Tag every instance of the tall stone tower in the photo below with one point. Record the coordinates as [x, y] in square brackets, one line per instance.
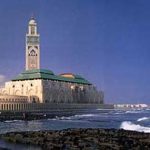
[32, 46]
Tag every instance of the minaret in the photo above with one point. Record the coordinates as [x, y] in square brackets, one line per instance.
[32, 46]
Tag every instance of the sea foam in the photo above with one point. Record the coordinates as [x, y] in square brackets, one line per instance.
[12, 121]
[86, 115]
[128, 125]
[143, 119]
[74, 117]
[133, 111]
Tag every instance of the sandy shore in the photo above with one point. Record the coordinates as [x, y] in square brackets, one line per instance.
[82, 139]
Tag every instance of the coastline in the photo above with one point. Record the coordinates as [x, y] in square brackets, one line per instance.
[81, 138]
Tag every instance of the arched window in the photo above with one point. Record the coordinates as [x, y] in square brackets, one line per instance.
[32, 53]
[32, 30]
[33, 59]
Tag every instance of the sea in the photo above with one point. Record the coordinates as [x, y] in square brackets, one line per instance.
[135, 120]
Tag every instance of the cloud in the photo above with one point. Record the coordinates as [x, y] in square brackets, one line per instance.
[2, 78]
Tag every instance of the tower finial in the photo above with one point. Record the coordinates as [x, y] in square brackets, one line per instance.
[32, 16]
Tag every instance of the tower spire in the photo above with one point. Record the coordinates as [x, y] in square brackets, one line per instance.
[32, 46]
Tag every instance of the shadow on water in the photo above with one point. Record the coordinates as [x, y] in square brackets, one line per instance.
[14, 146]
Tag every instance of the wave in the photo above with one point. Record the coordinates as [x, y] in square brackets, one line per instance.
[118, 113]
[74, 117]
[86, 115]
[128, 125]
[143, 119]
[77, 116]
[104, 109]
[133, 111]
[11, 121]
[64, 118]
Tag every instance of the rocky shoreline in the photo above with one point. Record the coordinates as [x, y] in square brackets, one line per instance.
[82, 139]
[27, 116]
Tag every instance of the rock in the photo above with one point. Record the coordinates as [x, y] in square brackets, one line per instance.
[3, 148]
[18, 137]
[86, 139]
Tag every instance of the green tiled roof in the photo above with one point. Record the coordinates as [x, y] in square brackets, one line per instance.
[48, 75]
[78, 77]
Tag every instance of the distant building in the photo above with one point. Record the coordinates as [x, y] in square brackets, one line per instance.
[36, 85]
[130, 106]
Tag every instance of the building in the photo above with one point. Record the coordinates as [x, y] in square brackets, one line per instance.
[32, 46]
[41, 86]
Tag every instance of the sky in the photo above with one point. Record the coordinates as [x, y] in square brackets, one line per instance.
[105, 41]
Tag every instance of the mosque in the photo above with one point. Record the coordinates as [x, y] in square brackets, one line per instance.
[37, 88]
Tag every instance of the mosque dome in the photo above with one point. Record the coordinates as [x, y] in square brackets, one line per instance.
[74, 78]
[67, 75]
[71, 75]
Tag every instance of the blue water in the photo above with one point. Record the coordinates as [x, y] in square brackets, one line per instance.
[138, 120]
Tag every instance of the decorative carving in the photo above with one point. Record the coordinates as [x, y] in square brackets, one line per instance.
[33, 40]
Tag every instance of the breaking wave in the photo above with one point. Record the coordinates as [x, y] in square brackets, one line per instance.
[128, 125]
[86, 115]
[78, 116]
[74, 117]
[133, 111]
[143, 119]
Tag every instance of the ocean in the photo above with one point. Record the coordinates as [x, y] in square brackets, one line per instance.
[136, 120]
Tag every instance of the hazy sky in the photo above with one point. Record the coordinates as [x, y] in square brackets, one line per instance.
[105, 41]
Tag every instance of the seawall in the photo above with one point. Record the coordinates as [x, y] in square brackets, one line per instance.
[27, 107]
